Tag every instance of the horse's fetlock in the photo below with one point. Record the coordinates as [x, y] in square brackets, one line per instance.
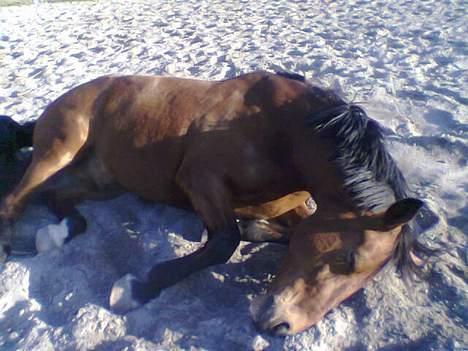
[224, 247]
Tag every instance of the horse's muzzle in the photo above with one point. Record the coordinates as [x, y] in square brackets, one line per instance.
[264, 314]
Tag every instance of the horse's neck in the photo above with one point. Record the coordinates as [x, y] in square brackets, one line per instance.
[326, 183]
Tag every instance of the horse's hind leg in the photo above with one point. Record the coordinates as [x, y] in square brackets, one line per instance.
[56, 144]
[13, 204]
[87, 179]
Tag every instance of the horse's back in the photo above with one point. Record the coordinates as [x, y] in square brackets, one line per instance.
[166, 105]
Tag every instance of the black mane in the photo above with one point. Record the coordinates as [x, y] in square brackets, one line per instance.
[371, 176]
[293, 76]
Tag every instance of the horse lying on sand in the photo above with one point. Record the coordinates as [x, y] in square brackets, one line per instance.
[238, 147]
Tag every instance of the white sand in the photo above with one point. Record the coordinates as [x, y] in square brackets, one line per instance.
[407, 60]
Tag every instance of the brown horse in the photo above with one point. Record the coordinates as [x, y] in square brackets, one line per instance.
[224, 146]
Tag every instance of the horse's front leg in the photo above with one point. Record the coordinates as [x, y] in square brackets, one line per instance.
[263, 230]
[273, 221]
[210, 198]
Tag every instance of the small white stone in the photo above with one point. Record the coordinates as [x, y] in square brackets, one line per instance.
[218, 276]
[259, 343]
[13, 336]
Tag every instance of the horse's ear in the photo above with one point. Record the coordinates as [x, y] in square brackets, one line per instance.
[402, 212]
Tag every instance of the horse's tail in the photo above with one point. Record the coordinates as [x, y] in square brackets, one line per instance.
[24, 135]
[14, 136]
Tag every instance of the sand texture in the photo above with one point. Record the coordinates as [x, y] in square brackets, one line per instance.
[407, 60]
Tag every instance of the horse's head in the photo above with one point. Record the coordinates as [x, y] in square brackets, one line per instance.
[330, 257]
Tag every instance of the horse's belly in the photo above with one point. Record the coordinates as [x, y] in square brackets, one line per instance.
[148, 172]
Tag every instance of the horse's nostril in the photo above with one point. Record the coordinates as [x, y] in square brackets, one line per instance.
[281, 329]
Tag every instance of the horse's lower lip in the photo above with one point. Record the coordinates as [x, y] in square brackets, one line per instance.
[267, 322]
[266, 325]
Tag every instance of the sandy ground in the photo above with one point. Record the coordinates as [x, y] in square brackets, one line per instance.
[31, 2]
[407, 60]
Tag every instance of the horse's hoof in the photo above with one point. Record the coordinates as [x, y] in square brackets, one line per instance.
[122, 298]
[51, 236]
